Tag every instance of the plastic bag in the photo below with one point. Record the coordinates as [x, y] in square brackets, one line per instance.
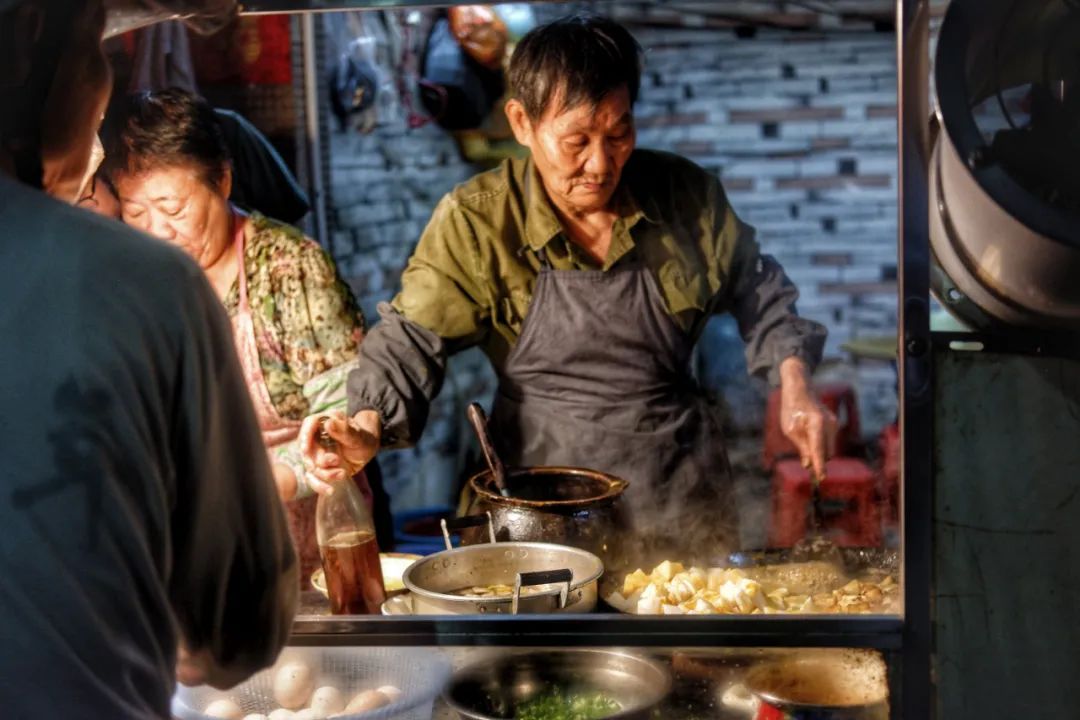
[361, 89]
[202, 16]
[519, 19]
[481, 33]
[354, 84]
[458, 91]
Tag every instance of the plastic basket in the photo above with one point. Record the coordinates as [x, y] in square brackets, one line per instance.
[420, 674]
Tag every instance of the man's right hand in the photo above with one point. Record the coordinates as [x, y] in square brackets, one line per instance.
[357, 440]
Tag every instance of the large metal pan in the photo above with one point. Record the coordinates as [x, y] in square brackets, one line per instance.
[803, 573]
[493, 689]
[567, 577]
[852, 560]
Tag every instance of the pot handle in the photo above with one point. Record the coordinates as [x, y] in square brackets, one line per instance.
[455, 525]
[738, 697]
[543, 577]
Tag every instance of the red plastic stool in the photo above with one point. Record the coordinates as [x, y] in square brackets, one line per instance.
[838, 397]
[889, 443]
[849, 507]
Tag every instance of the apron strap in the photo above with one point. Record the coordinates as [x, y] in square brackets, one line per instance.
[541, 254]
[238, 247]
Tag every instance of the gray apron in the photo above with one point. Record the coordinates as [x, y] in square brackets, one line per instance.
[600, 378]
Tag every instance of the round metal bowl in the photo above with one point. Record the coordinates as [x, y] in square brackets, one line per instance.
[434, 580]
[493, 689]
[813, 683]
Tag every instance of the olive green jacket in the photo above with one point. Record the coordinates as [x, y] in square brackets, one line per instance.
[471, 278]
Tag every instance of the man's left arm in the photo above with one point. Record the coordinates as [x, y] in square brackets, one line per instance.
[779, 343]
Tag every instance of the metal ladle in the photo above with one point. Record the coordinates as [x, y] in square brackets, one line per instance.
[814, 545]
[498, 471]
[815, 503]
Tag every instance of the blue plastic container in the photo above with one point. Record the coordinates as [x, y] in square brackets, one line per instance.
[418, 531]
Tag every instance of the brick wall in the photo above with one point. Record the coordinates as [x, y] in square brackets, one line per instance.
[801, 128]
[802, 131]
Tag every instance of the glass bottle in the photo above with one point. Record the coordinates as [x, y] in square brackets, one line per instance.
[350, 554]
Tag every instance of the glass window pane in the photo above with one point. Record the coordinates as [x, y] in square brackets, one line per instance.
[540, 683]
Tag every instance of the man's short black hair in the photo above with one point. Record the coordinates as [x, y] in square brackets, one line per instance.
[166, 128]
[587, 56]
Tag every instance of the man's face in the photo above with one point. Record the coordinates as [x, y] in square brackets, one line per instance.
[75, 106]
[580, 152]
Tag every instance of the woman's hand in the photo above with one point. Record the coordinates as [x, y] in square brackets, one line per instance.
[355, 443]
[806, 422]
[286, 481]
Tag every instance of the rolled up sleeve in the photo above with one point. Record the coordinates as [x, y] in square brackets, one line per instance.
[401, 370]
[762, 299]
[441, 310]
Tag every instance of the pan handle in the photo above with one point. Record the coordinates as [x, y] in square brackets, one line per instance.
[543, 577]
[455, 525]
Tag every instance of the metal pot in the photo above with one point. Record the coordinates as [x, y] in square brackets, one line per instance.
[814, 685]
[569, 575]
[493, 689]
[568, 506]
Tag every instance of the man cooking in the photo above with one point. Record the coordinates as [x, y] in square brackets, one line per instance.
[130, 555]
[587, 273]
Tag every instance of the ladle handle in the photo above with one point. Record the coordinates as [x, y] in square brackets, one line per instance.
[815, 505]
[479, 422]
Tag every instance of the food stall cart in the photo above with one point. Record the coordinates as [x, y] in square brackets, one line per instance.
[694, 661]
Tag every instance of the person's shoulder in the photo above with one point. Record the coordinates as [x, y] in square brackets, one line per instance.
[280, 239]
[98, 244]
[672, 184]
[101, 266]
[659, 166]
[486, 191]
[286, 247]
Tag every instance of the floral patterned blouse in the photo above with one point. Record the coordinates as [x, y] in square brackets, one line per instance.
[307, 324]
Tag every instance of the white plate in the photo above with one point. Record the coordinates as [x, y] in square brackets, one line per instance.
[393, 567]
